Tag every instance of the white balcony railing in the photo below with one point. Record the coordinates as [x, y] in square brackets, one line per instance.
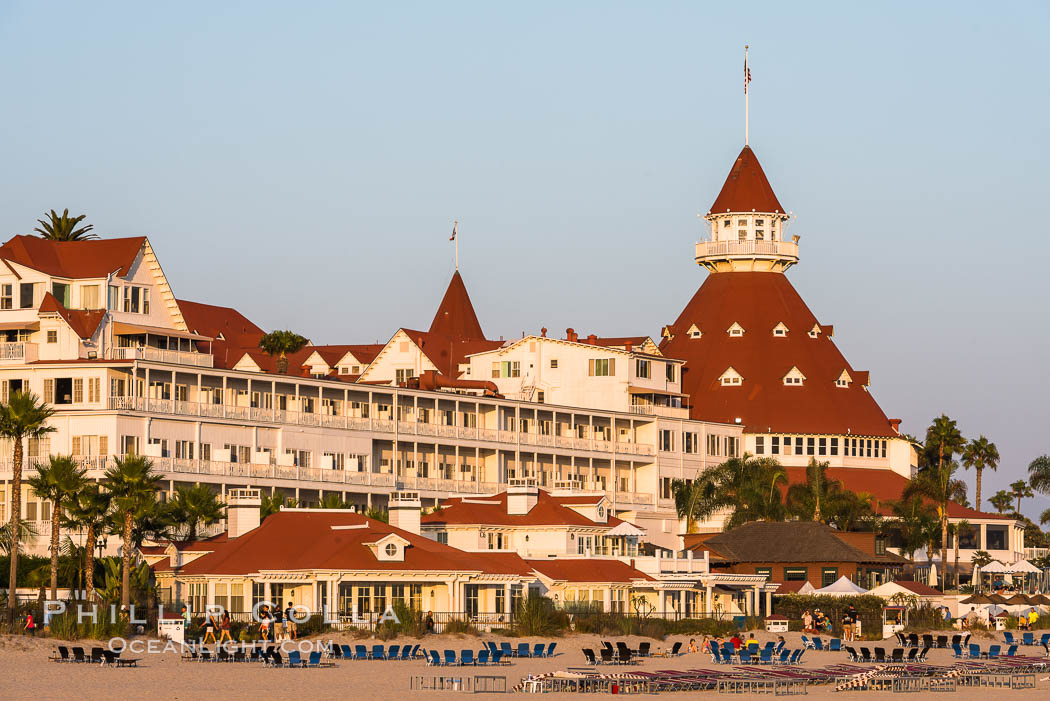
[203, 360]
[12, 351]
[709, 249]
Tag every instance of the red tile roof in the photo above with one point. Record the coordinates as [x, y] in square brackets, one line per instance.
[237, 331]
[84, 322]
[792, 587]
[746, 188]
[305, 540]
[455, 315]
[587, 570]
[332, 354]
[447, 352]
[548, 511]
[758, 301]
[74, 259]
[885, 486]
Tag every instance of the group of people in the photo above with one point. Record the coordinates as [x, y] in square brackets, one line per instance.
[274, 626]
[817, 621]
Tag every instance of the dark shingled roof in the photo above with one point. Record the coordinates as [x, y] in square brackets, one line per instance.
[790, 541]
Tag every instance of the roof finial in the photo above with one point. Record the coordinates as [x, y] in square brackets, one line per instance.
[455, 237]
[747, 79]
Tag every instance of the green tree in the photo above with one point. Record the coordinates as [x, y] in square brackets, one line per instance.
[1001, 500]
[57, 482]
[981, 558]
[26, 532]
[1044, 518]
[333, 501]
[1039, 474]
[64, 227]
[88, 510]
[939, 485]
[24, 416]
[193, 508]
[850, 511]
[279, 344]
[746, 488]
[957, 530]
[943, 440]
[133, 485]
[812, 500]
[1021, 490]
[980, 453]
[915, 519]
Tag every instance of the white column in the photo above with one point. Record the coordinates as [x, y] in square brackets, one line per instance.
[662, 603]
[709, 593]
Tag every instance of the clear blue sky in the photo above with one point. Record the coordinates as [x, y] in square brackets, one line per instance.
[304, 163]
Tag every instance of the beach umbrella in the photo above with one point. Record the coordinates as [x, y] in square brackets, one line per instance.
[995, 567]
[1040, 600]
[996, 599]
[976, 600]
[1024, 567]
[1017, 600]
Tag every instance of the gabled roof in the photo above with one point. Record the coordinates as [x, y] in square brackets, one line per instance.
[84, 322]
[447, 352]
[233, 332]
[296, 540]
[455, 315]
[788, 541]
[74, 259]
[548, 511]
[746, 188]
[587, 570]
[761, 300]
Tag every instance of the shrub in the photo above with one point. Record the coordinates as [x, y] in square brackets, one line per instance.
[460, 627]
[66, 627]
[536, 615]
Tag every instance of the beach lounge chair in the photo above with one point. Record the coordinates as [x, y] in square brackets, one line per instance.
[393, 651]
[913, 654]
[1027, 639]
[796, 656]
[506, 649]
[588, 654]
[676, 649]
[294, 659]
[378, 652]
[315, 660]
[643, 649]
[1045, 640]
[360, 652]
[716, 654]
[1011, 651]
[63, 655]
[622, 649]
[993, 651]
[450, 657]
[785, 655]
[551, 646]
[880, 654]
[898, 654]
[818, 643]
[744, 655]
[466, 657]
[975, 651]
[406, 653]
[608, 656]
[765, 656]
[942, 641]
[851, 653]
[1009, 637]
[957, 651]
[835, 644]
[626, 656]
[913, 639]
[901, 640]
[348, 652]
[492, 646]
[806, 642]
[483, 656]
[537, 649]
[275, 658]
[499, 658]
[956, 640]
[222, 654]
[523, 650]
[96, 655]
[865, 655]
[434, 659]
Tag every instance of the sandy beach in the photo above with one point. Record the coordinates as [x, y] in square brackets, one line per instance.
[29, 675]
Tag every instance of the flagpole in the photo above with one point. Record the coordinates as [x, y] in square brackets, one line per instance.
[746, 97]
[455, 226]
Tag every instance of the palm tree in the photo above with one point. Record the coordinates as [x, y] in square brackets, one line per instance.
[24, 416]
[811, 500]
[914, 519]
[88, 510]
[1001, 500]
[749, 488]
[696, 500]
[1044, 518]
[851, 509]
[939, 485]
[1021, 490]
[963, 526]
[280, 344]
[133, 485]
[333, 501]
[943, 439]
[194, 508]
[57, 482]
[64, 228]
[26, 532]
[980, 453]
[1039, 474]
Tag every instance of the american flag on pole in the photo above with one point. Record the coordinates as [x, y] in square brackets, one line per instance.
[455, 228]
[747, 73]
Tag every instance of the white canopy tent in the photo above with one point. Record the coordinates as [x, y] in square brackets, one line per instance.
[842, 587]
[994, 567]
[1023, 567]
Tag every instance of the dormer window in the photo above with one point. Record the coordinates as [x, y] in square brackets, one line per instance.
[694, 332]
[760, 222]
[725, 223]
[780, 330]
[843, 380]
[794, 378]
[735, 330]
[741, 222]
[731, 378]
[390, 550]
[815, 331]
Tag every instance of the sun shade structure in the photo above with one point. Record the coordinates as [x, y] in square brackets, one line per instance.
[842, 587]
[1023, 567]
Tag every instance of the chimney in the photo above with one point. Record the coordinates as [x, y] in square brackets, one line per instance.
[543, 332]
[627, 346]
[570, 335]
[242, 511]
[895, 424]
[522, 495]
[404, 509]
[592, 339]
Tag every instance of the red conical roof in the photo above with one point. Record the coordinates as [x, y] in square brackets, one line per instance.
[758, 302]
[746, 188]
[455, 316]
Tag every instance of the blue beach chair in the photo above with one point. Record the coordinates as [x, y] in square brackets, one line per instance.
[1009, 637]
[483, 656]
[523, 650]
[406, 652]
[393, 652]
[765, 656]
[745, 656]
[348, 652]
[466, 657]
[835, 645]
[434, 658]
[537, 649]
[450, 657]
[378, 652]
[360, 652]
[818, 644]
[1027, 639]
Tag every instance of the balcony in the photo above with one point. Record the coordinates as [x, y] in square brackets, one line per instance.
[201, 360]
[18, 352]
[674, 412]
[747, 255]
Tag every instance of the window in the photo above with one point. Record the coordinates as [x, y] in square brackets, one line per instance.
[672, 372]
[828, 576]
[442, 537]
[736, 330]
[732, 446]
[774, 445]
[795, 574]
[89, 298]
[184, 450]
[390, 549]
[841, 382]
[52, 336]
[145, 300]
[643, 369]
[113, 298]
[540, 397]
[726, 223]
[94, 389]
[712, 445]
[78, 390]
[601, 367]
[793, 381]
[822, 446]
[402, 375]
[760, 235]
[554, 363]
[730, 378]
[810, 445]
[665, 488]
[760, 445]
[798, 445]
[760, 222]
[61, 292]
[7, 296]
[834, 446]
[780, 330]
[689, 442]
[508, 368]
[25, 295]
[666, 440]
[768, 571]
[880, 543]
[741, 222]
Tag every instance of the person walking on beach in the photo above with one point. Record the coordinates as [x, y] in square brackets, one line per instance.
[290, 627]
[224, 626]
[264, 623]
[209, 629]
[430, 622]
[30, 627]
[807, 621]
[278, 624]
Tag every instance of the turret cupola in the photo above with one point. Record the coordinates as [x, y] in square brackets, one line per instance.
[747, 224]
